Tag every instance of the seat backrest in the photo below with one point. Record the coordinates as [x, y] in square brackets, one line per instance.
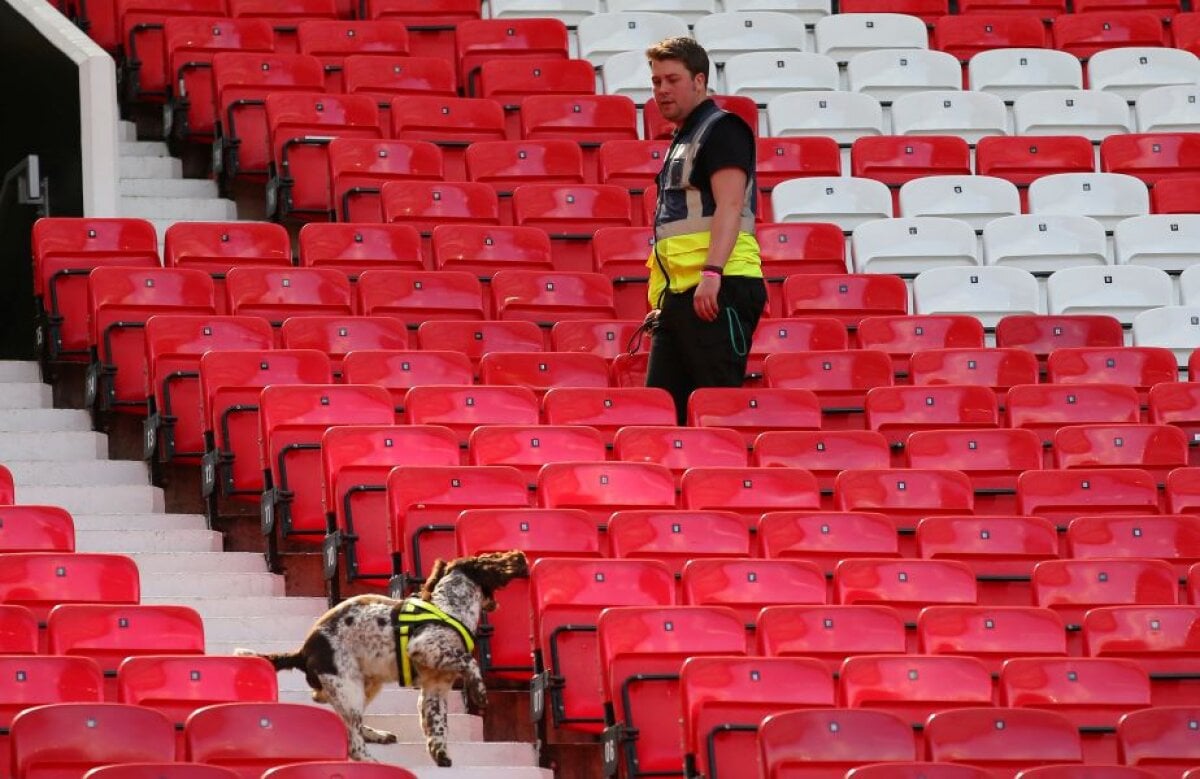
[749, 585]
[826, 537]
[990, 633]
[914, 686]
[1070, 111]
[842, 35]
[277, 293]
[904, 494]
[815, 742]
[1045, 408]
[752, 411]
[41, 580]
[1074, 586]
[1021, 160]
[1093, 691]
[832, 632]
[843, 116]
[177, 685]
[231, 735]
[462, 408]
[680, 448]
[675, 537]
[1159, 738]
[906, 585]
[353, 248]
[25, 528]
[1002, 739]
[1063, 495]
[71, 738]
[108, 633]
[749, 491]
[1042, 334]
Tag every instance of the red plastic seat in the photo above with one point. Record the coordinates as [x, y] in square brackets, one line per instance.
[40, 581]
[328, 769]
[824, 453]
[482, 40]
[1021, 159]
[1043, 333]
[749, 491]
[68, 739]
[1152, 157]
[1161, 738]
[1175, 195]
[356, 461]
[36, 529]
[1140, 367]
[333, 41]
[1045, 408]
[475, 339]
[898, 411]
[509, 164]
[906, 585]
[232, 735]
[607, 338]
[510, 83]
[967, 35]
[894, 160]
[724, 699]
[1072, 587]
[142, 42]
[600, 488]
[1002, 740]
[485, 249]
[800, 334]
[995, 367]
[528, 447]
[570, 214]
[830, 633]
[826, 537]
[230, 385]
[902, 336]
[992, 634]
[749, 585]
[1158, 449]
[801, 247]
[216, 247]
[415, 297]
[839, 379]
[425, 205]
[633, 164]
[279, 293]
[679, 448]
[462, 408]
[354, 248]
[907, 495]
[1161, 639]
[752, 411]
[431, 22]
[675, 537]
[241, 83]
[914, 686]
[827, 742]
[360, 166]
[383, 78]
[18, 630]
[781, 159]
[190, 45]
[1178, 404]
[641, 652]
[542, 371]
[1173, 538]
[32, 680]
[1001, 550]
[423, 503]
[451, 122]
[7, 492]
[120, 300]
[567, 596]
[608, 409]
[916, 769]
[1193, 585]
[292, 419]
[589, 120]
[655, 127]
[559, 533]
[1060, 496]
[551, 297]
[1085, 33]
[848, 297]
[285, 14]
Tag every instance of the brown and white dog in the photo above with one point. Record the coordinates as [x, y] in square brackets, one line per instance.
[351, 651]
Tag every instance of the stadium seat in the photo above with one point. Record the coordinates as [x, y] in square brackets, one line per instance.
[840, 380]
[890, 74]
[1057, 111]
[333, 41]
[355, 462]
[843, 35]
[1073, 587]
[551, 297]
[1015, 74]
[475, 339]
[18, 630]
[641, 650]
[27, 528]
[230, 385]
[749, 491]
[332, 769]
[991, 458]
[1158, 240]
[337, 336]
[1046, 408]
[528, 447]
[896, 412]
[845, 201]
[996, 367]
[830, 633]
[1173, 538]
[1176, 404]
[1175, 196]
[484, 40]
[1002, 740]
[608, 409]
[1000, 549]
[895, 160]
[603, 35]
[825, 538]
[605, 338]
[508, 164]
[68, 739]
[907, 586]
[461, 408]
[680, 448]
[723, 699]
[1167, 110]
[808, 10]
[828, 742]
[904, 336]
[450, 122]
[423, 504]
[567, 597]
[416, 297]
[675, 537]
[1044, 243]
[800, 247]
[751, 411]
[797, 334]
[965, 35]
[905, 246]
[216, 247]
[1064, 495]
[620, 253]
[1169, 327]
[1151, 157]
[1021, 159]
[991, 634]
[284, 16]
[359, 167]
[1160, 738]
[915, 686]
[1107, 197]
[600, 488]
[781, 159]
[541, 371]
[231, 735]
[691, 11]
[1161, 639]
[143, 41]
[904, 495]
[1085, 33]
[431, 24]
[823, 453]
[725, 35]
[354, 248]
[843, 116]
[1156, 448]
[32, 680]
[1132, 71]
[632, 164]
[570, 214]
[278, 293]
[1139, 367]
[570, 12]
[510, 82]
[748, 585]
[1092, 290]
[425, 205]
[765, 75]
[624, 73]
[384, 78]
[987, 293]
[1043, 334]
[589, 120]
[846, 297]
[976, 200]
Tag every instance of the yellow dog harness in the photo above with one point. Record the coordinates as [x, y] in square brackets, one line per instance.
[413, 613]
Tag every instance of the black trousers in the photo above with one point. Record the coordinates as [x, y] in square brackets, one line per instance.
[687, 353]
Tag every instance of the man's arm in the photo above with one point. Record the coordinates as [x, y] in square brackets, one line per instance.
[729, 194]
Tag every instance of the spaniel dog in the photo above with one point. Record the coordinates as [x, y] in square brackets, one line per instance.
[355, 648]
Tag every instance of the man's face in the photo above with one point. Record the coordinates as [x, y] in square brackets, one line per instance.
[676, 91]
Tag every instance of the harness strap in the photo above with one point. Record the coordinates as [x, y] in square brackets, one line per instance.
[414, 612]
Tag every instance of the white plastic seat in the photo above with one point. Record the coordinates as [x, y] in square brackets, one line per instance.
[986, 293]
[571, 12]
[809, 11]
[971, 115]
[841, 36]
[975, 200]
[907, 246]
[1169, 110]
[603, 35]
[627, 74]
[1044, 244]
[844, 200]
[1010, 73]
[726, 34]
[1121, 291]
[1167, 241]
[1094, 115]
[1189, 286]
[1173, 327]
[1132, 70]
[764, 75]
[843, 116]
[689, 10]
[889, 74]
[1107, 197]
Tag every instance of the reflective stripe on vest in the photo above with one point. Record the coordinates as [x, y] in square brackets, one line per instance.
[413, 612]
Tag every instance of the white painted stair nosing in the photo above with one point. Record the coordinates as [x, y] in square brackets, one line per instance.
[170, 188]
[80, 472]
[160, 207]
[212, 606]
[19, 371]
[134, 522]
[68, 445]
[227, 585]
[193, 551]
[111, 499]
[44, 420]
[149, 168]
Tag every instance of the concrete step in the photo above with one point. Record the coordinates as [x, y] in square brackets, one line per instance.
[229, 585]
[463, 753]
[192, 551]
[107, 472]
[126, 132]
[247, 606]
[160, 207]
[149, 168]
[252, 632]
[60, 446]
[199, 188]
[127, 522]
[469, 772]
[31, 420]
[407, 727]
[19, 371]
[143, 149]
[32, 394]
[119, 499]
[391, 699]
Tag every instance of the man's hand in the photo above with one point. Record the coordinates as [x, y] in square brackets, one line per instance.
[705, 299]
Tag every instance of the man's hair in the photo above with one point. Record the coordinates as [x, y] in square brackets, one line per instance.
[685, 50]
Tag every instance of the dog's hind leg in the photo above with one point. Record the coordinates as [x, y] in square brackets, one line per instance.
[370, 734]
[346, 695]
[434, 720]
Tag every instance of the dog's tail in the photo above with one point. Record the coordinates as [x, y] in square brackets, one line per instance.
[282, 661]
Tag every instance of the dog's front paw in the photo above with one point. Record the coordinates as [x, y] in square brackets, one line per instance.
[442, 758]
[374, 736]
[476, 695]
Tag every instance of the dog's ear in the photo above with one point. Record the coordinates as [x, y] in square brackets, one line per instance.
[493, 570]
[435, 574]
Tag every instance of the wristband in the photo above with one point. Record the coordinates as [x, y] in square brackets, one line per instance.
[717, 269]
[709, 274]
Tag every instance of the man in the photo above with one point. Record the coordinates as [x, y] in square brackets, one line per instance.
[706, 287]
